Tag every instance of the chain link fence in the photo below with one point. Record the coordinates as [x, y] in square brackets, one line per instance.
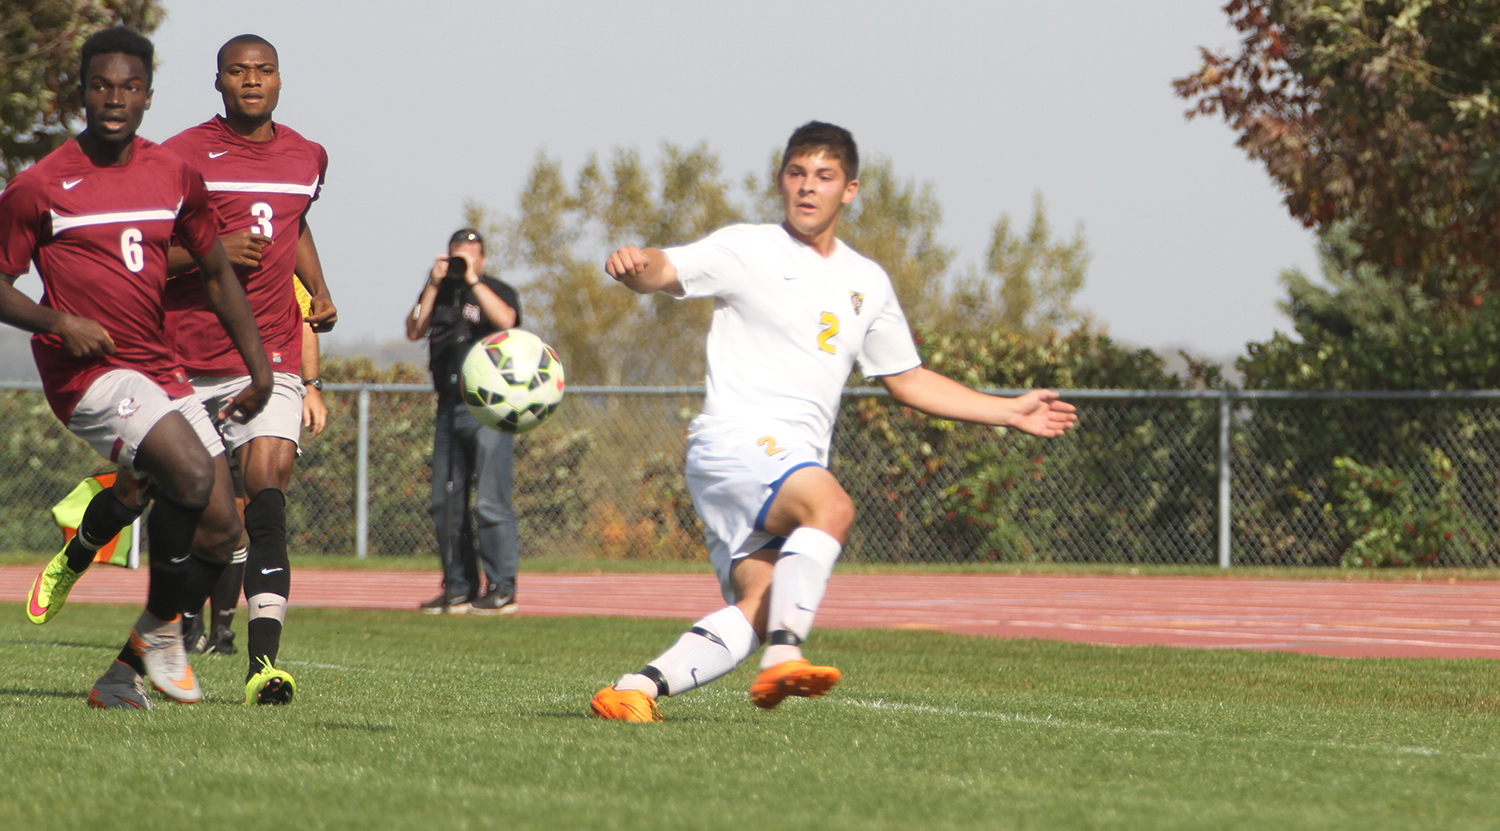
[1227, 478]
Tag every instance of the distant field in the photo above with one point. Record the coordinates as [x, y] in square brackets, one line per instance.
[668, 566]
[408, 721]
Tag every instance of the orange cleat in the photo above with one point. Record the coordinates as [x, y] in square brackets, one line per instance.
[792, 678]
[624, 705]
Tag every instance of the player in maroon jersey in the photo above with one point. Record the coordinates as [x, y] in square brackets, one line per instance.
[96, 216]
[262, 178]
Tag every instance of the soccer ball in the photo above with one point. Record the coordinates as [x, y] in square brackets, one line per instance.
[512, 381]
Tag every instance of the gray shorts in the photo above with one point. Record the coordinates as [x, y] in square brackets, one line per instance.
[120, 408]
[281, 417]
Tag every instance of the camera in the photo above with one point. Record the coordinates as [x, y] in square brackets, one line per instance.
[457, 267]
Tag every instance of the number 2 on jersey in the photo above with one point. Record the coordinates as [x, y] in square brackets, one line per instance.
[769, 443]
[830, 323]
[262, 213]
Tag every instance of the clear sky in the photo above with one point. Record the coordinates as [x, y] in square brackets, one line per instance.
[422, 105]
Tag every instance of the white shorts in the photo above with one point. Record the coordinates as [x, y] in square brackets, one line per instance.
[281, 417]
[733, 473]
[120, 408]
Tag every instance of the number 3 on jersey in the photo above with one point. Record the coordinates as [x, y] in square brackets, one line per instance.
[830, 323]
[262, 213]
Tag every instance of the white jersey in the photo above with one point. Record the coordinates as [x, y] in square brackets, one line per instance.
[788, 326]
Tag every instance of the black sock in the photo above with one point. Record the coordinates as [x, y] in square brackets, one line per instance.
[170, 528]
[268, 578]
[202, 575]
[128, 656]
[226, 594]
[264, 641]
[104, 517]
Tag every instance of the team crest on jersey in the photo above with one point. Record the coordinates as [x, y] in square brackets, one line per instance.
[856, 300]
[126, 408]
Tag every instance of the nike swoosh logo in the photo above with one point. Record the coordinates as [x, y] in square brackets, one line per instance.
[181, 559]
[213, 155]
[31, 604]
[185, 684]
[804, 608]
[264, 605]
[271, 571]
[69, 185]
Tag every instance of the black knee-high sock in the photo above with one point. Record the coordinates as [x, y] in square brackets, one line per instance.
[104, 517]
[268, 578]
[226, 594]
[170, 529]
[202, 576]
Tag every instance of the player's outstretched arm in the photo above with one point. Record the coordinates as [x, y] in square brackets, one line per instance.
[643, 270]
[1039, 412]
[227, 298]
[310, 270]
[83, 338]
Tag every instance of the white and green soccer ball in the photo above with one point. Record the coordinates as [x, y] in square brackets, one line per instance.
[512, 381]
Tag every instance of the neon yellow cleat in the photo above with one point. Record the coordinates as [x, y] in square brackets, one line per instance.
[50, 591]
[270, 686]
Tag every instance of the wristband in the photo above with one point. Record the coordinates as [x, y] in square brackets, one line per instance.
[315, 383]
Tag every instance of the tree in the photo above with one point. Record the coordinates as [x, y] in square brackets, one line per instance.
[1380, 116]
[608, 335]
[1027, 285]
[1029, 282]
[39, 67]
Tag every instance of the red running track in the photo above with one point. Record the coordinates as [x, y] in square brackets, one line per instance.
[1413, 619]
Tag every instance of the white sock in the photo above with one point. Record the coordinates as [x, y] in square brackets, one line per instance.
[797, 586]
[710, 650]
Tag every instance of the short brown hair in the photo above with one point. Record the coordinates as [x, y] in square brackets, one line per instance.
[835, 141]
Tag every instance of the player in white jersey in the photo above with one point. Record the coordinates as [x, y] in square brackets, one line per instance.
[794, 310]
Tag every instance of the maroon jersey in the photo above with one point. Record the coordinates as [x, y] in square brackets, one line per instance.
[261, 186]
[99, 238]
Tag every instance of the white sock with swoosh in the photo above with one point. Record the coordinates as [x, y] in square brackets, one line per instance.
[797, 586]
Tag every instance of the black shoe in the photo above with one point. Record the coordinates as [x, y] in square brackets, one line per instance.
[445, 605]
[495, 603]
[222, 643]
[193, 638]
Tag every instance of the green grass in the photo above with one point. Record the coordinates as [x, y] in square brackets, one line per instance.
[409, 721]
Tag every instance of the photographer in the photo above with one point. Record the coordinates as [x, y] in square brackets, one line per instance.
[459, 306]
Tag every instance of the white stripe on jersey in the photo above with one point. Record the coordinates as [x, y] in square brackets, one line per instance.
[263, 187]
[62, 223]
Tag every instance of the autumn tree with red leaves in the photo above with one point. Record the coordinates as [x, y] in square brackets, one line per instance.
[1383, 115]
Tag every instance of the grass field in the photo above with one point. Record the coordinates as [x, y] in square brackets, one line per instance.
[409, 721]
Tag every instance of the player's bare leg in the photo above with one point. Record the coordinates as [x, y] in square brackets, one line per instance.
[814, 513]
[266, 464]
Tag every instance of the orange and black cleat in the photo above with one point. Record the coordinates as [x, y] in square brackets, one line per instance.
[624, 705]
[797, 677]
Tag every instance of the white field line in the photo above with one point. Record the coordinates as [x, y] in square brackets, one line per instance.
[1049, 721]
